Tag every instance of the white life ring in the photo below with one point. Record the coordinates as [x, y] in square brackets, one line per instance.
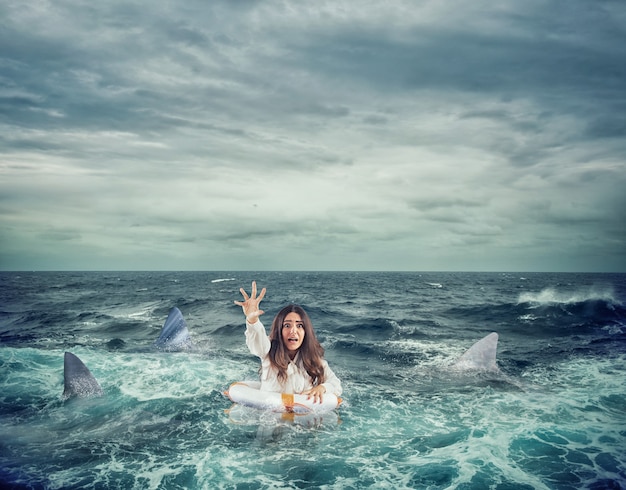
[249, 393]
[266, 420]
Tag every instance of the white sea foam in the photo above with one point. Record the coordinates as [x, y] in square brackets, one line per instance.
[174, 375]
[435, 285]
[136, 311]
[553, 296]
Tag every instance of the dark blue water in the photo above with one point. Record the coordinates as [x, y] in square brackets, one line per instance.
[554, 417]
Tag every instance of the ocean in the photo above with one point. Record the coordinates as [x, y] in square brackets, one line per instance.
[552, 417]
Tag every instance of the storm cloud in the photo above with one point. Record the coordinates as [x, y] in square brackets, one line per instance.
[244, 135]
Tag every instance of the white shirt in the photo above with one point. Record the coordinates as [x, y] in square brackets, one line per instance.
[298, 380]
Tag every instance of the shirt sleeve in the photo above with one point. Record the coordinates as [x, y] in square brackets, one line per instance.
[332, 383]
[257, 340]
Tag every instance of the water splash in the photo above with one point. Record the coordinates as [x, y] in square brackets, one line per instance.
[551, 296]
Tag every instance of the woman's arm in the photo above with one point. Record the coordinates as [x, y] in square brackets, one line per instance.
[256, 339]
[332, 383]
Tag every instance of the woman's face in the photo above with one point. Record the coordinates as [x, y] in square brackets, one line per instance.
[293, 333]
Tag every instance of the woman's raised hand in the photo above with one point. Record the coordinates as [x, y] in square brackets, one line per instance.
[250, 304]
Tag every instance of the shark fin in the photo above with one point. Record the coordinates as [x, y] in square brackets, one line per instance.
[480, 356]
[174, 334]
[78, 380]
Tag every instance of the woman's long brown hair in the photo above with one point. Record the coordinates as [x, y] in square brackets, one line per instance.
[311, 351]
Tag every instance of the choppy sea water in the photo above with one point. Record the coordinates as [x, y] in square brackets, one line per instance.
[554, 417]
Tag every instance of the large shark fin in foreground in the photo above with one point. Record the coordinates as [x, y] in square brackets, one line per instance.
[174, 334]
[78, 380]
[480, 356]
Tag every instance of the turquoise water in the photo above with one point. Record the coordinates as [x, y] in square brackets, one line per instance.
[554, 416]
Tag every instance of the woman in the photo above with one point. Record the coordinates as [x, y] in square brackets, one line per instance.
[292, 359]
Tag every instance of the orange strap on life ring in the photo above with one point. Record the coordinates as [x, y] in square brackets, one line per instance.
[288, 401]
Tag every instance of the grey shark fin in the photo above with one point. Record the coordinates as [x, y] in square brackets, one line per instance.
[174, 334]
[78, 380]
[480, 356]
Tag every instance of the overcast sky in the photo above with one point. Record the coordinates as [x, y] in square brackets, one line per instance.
[325, 135]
